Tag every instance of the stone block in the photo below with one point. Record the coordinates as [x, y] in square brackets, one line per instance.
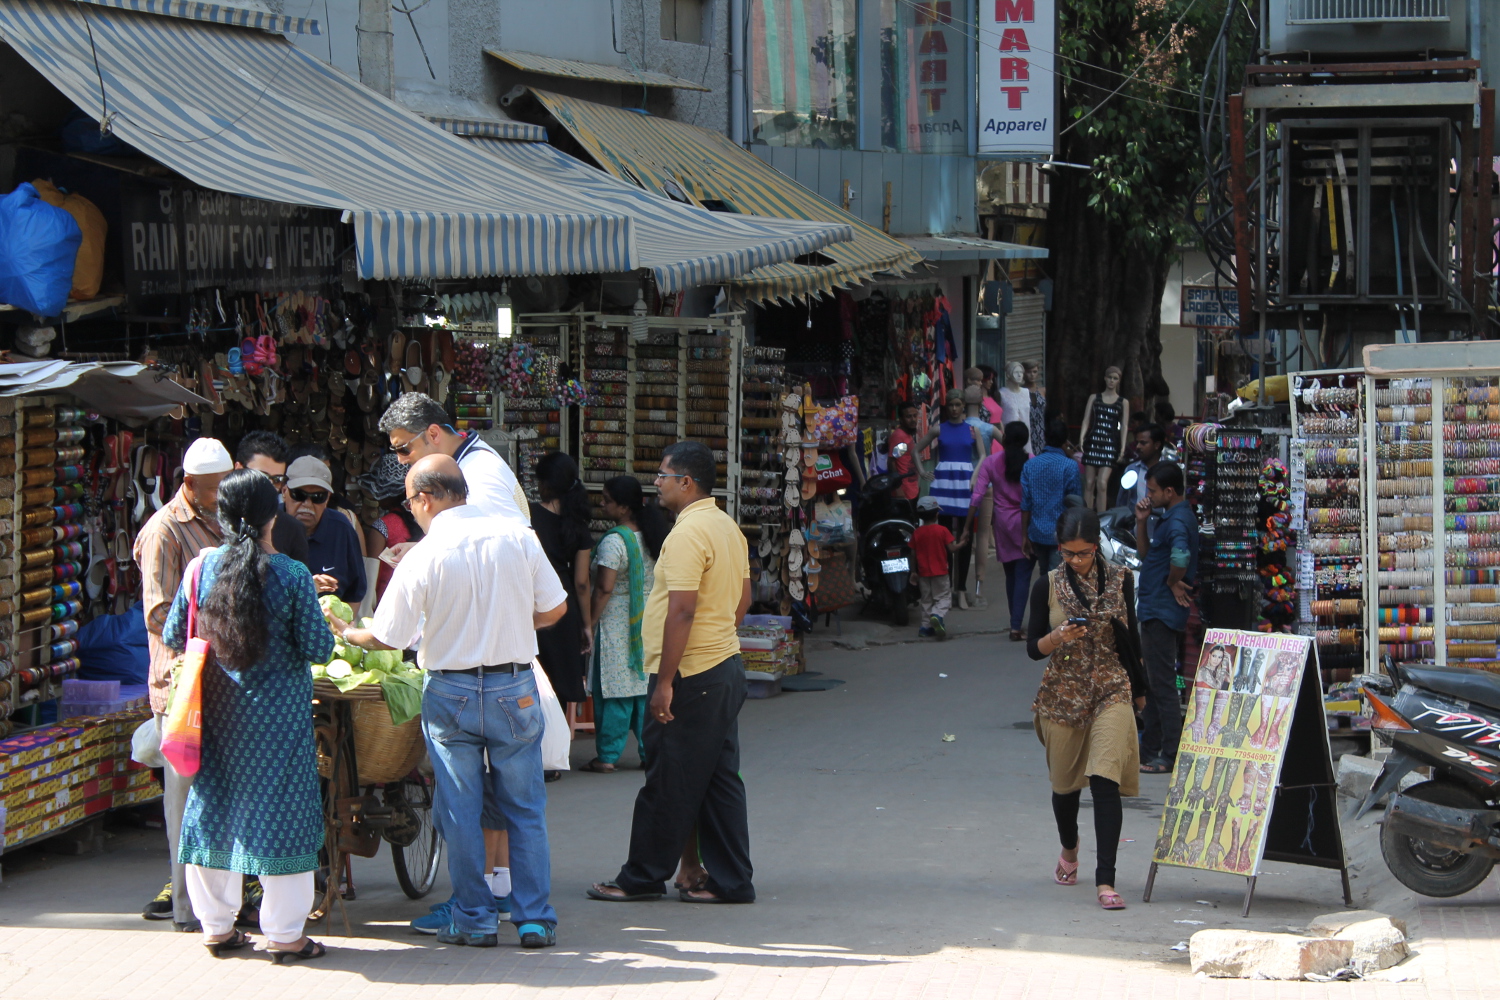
[1235, 954]
[1379, 940]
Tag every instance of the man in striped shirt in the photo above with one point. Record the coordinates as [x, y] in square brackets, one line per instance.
[185, 526]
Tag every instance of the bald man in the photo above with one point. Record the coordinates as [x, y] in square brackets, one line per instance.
[476, 589]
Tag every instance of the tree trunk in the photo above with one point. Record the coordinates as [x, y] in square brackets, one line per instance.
[1106, 304]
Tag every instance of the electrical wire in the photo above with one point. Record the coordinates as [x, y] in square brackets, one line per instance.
[1144, 60]
[109, 117]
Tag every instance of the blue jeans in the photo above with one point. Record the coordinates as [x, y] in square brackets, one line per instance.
[1018, 590]
[485, 734]
[1046, 556]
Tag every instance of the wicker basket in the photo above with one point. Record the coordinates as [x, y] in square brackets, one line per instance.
[384, 752]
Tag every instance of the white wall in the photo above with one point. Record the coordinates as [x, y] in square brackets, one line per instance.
[1179, 344]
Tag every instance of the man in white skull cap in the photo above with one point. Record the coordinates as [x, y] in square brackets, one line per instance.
[185, 526]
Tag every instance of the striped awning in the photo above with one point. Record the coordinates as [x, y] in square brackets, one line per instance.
[489, 128]
[248, 113]
[214, 13]
[575, 69]
[674, 158]
[708, 247]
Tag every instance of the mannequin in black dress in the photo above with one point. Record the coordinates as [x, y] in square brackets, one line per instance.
[561, 521]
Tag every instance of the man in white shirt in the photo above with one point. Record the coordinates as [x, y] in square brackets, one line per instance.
[417, 426]
[476, 588]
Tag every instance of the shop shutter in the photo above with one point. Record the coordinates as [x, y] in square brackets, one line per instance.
[1026, 329]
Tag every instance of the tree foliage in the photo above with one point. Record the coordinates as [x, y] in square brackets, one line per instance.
[1130, 72]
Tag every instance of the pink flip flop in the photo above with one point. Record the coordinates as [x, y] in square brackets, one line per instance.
[1069, 871]
[1111, 901]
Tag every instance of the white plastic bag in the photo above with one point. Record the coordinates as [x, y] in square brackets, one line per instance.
[145, 744]
[557, 738]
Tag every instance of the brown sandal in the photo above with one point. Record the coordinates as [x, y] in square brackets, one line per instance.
[599, 767]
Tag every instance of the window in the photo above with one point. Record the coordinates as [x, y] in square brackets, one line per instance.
[803, 58]
[925, 91]
[682, 21]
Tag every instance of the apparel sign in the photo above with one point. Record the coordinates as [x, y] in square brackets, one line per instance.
[179, 239]
[1017, 95]
[1254, 774]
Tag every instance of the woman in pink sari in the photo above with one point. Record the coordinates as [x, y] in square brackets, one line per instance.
[1002, 470]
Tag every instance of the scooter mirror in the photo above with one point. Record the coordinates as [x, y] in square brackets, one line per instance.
[899, 450]
[1128, 481]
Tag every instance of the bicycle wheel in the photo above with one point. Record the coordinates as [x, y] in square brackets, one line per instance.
[416, 848]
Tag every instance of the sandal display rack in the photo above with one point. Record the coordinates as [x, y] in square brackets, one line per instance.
[764, 456]
[1327, 461]
[1434, 487]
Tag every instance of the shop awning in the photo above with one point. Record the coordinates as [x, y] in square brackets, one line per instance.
[574, 69]
[214, 13]
[489, 128]
[686, 161]
[971, 248]
[703, 244]
[114, 388]
[247, 113]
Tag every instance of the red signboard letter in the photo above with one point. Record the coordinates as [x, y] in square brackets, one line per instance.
[936, 71]
[1014, 40]
[1012, 68]
[932, 42]
[1013, 97]
[935, 99]
[1015, 10]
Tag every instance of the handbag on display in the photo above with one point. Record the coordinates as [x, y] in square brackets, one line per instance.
[182, 733]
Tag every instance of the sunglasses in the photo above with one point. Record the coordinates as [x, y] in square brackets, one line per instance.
[309, 496]
[277, 481]
[405, 449]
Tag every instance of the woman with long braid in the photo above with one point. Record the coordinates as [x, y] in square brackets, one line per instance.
[254, 807]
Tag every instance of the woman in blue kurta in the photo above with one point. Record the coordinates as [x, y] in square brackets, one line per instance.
[254, 808]
[961, 445]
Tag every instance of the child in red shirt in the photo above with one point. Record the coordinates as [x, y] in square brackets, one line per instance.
[930, 544]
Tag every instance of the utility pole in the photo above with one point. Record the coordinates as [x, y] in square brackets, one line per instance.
[376, 62]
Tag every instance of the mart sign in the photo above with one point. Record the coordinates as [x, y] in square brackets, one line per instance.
[1017, 96]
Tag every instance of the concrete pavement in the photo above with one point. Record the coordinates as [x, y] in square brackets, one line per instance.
[888, 862]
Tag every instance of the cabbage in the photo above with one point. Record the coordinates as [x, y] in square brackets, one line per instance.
[340, 610]
[337, 669]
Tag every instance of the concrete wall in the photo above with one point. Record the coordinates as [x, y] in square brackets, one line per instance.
[1179, 344]
[456, 77]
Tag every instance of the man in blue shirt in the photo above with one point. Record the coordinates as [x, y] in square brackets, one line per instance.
[1149, 442]
[1046, 481]
[333, 554]
[1167, 543]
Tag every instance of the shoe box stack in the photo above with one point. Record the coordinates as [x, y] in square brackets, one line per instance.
[55, 776]
[769, 648]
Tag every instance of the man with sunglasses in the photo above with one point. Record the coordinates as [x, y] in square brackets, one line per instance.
[333, 555]
[417, 426]
[265, 451]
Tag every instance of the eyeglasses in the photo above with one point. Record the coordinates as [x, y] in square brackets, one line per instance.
[1077, 555]
[406, 504]
[672, 475]
[309, 496]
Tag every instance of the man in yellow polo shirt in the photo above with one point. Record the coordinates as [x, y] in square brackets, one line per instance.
[692, 734]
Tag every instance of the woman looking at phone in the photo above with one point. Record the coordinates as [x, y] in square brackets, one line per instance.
[1082, 713]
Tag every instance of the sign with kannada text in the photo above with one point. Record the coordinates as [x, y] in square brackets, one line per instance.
[1017, 96]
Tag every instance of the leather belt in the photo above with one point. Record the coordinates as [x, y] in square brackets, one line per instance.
[503, 668]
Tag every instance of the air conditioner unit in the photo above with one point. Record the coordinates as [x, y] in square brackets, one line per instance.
[1378, 28]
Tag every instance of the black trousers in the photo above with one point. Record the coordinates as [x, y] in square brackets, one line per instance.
[692, 776]
[1109, 817]
[1161, 646]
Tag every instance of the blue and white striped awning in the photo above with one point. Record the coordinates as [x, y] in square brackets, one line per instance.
[214, 13]
[248, 113]
[722, 245]
[489, 128]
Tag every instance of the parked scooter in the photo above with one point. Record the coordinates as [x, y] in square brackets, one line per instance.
[1117, 531]
[1440, 837]
[886, 522]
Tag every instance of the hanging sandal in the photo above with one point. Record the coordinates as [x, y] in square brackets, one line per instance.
[306, 953]
[239, 939]
[1066, 872]
[1111, 901]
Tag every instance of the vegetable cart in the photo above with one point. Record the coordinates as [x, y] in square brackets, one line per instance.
[377, 786]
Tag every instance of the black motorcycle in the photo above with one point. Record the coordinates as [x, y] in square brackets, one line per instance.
[1440, 837]
[886, 522]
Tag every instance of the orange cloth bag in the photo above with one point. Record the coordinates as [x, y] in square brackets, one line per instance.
[182, 736]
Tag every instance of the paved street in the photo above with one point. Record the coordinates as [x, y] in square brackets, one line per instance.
[889, 864]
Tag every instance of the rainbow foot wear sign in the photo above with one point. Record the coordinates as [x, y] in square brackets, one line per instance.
[1230, 757]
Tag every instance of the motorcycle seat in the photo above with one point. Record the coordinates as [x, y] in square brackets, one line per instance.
[1478, 686]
